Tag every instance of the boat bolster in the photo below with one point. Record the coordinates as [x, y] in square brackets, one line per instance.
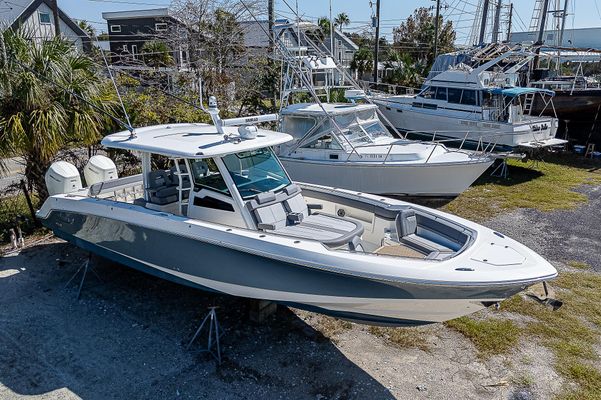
[286, 213]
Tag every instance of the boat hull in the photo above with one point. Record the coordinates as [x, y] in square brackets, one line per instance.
[208, 266]
[460, 126]
[581, 105]
[433, 179]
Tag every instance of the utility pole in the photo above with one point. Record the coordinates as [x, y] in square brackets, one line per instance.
[483, 22]
[270, 13]
[57, 28]
[436, 28]
[332, 30]
[495, 28]
[271, 23]
[377, 46]
[509, 22]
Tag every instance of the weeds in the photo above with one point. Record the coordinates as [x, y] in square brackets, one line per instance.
[546, 186]
[570, 332]
[402, 337]
[490, 336]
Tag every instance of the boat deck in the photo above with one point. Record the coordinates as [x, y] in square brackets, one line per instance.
[399, 250]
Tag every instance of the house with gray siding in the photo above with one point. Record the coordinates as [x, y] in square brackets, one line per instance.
[37, 19]
[128, 31]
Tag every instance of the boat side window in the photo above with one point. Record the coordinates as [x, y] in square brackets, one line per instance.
[426, 93]
[441, 93]
[468, 97]
[325, 142]
[454, 95]
[206, 175]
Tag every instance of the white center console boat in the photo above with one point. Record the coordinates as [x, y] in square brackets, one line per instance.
[226, 217]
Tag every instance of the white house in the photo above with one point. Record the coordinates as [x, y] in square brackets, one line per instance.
[36, 17]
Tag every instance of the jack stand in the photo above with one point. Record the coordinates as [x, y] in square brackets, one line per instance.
[214, 332]
[501, 170]
[85, 267]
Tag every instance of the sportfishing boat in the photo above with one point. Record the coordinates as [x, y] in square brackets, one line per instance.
[346, 145]
[226, 217]
[482, 105]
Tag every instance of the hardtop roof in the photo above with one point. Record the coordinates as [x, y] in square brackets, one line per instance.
[192, 140]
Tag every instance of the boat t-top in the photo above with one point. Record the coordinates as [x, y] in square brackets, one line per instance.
[346, 144]
[227, 217]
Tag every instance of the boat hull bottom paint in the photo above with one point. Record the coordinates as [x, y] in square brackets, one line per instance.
[433, 180]
[242, 274]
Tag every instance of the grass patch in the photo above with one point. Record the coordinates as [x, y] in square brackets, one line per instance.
[402, 337]
[13, 211]
[523, 380]
[330, 326]
[570, 332]
[490, 336]
[579, 265]
[545, 186]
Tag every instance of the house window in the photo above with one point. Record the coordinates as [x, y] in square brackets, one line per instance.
[134, 50]
[115, 28]
[125, 48]
[160, 26]
[44, 18]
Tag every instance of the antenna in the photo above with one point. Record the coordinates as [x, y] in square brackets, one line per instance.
[130, 128]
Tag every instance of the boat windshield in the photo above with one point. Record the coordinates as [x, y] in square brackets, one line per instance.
[365, 132]
[256, 171]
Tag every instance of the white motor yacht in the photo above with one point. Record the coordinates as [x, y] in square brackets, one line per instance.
[227, 217]
[481, 106]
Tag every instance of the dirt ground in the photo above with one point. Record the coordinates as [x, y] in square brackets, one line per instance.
[126, 337]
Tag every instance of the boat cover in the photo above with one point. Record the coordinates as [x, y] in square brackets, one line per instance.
[518, 91]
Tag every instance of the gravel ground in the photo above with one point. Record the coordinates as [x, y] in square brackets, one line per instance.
[126, 337]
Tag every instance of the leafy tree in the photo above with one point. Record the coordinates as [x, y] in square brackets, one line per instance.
[416, 36]
[156, 54]
[324, 24]
[401, 69]
[39, 115]
[87, 28]
[363, 61]
[341, 20]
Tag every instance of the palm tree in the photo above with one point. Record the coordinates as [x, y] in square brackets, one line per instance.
[87, 28]
[156, 54]
[342, 19]
[362, 62]
[324, 24]
[41, 111]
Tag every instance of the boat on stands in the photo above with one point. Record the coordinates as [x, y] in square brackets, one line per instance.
[227, 217]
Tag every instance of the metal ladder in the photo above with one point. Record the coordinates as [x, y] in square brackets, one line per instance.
[183, 208]
[528, 101]
[536, 16]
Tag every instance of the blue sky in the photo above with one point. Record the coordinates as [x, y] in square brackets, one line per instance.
[584, 13]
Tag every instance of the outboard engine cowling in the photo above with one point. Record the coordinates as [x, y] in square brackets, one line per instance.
[99, 169]
[62, 177]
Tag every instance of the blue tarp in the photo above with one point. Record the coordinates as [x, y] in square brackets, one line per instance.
[518, 91]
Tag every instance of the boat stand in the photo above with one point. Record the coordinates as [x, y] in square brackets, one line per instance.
[215, 333]
[84, 268]
[501, 170]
